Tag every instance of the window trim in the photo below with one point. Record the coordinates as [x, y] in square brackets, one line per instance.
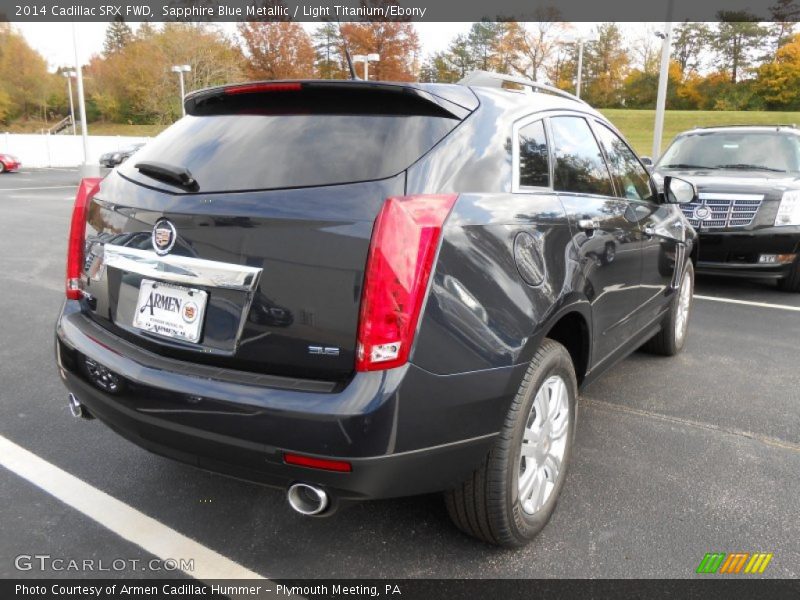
[516, 188]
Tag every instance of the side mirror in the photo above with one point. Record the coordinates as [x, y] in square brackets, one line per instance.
[647, 161]
[679, 191]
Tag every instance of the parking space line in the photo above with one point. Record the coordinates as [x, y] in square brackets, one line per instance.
[46, 187]
[764, 439]
[748, 303]
[127, 522]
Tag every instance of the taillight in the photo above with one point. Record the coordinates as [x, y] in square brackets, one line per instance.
[77, 233]
[404, 242]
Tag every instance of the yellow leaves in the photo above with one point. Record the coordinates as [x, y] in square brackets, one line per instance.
[779, 82]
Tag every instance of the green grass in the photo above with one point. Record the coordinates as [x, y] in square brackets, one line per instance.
[99, 128]
[637, 125]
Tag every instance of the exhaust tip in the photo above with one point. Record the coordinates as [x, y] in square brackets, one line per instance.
[307, 499]
[76, 409]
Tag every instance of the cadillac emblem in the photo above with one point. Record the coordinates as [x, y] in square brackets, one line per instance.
[164, 236]
[702, 212]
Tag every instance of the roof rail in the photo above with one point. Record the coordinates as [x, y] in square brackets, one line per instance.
[789, 125]
[496, 80]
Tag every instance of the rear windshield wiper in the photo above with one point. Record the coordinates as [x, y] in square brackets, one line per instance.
[745, 166]
[168, 173]
[685, 166]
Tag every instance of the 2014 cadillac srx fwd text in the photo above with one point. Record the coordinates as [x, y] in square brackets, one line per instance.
[355, 290]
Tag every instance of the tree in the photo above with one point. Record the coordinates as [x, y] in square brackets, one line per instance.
[328, 48]
[562, 69]
[785, 14]
[539, 43]
[136, 84]
[24, 78]
[397, 43]
[439, 68]
[646, 51]
[606, 63]
[739, 36]
[482, 41]
[278, 50]
[118, 35]
[778, 82]
[689, 41]
[508, 50]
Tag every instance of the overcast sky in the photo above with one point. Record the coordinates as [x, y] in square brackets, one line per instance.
[54, 40]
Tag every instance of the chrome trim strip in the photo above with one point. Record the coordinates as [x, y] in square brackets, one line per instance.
[182, 269]
[723, 196]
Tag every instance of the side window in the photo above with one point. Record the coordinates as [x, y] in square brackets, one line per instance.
[633, 181]
[579, 164]
[534, 164]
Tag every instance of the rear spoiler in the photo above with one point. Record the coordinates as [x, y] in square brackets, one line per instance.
[324, 97]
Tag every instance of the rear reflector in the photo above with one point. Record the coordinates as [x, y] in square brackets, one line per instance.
[317, 463]
[77, 235]
[255, 88]
[404, 243]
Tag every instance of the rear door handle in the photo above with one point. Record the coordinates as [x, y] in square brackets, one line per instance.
[588, 224]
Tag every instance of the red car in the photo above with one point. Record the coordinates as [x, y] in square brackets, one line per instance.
[9, 163]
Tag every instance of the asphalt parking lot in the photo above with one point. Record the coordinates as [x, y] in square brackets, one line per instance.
[674, 457]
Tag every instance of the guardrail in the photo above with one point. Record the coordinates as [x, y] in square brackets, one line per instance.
[45, 150]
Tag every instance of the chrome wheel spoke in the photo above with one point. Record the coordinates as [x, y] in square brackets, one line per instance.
[528, 483]
[544, 442]
[552, 465]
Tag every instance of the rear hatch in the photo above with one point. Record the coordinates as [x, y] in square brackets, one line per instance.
[266, 195]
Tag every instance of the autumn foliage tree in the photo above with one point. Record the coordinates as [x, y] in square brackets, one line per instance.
[278, 50]
[397, 43]
[25, 84]
[778, 82]
[135, 84]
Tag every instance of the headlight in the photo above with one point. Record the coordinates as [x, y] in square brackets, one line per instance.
[117, 156]
[789, 210]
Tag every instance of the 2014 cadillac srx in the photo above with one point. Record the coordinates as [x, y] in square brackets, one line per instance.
[357, 290]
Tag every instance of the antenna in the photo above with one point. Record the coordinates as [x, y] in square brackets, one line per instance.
[349, 58]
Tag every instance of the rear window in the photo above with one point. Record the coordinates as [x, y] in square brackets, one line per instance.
[252, 151]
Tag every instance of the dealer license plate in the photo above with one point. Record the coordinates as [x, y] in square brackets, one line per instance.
[169, 310]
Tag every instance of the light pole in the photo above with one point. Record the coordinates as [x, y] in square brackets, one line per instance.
[69, 75]
[86, 171]
[180, 70]
[366, 58]
[580, 67]
[663, 79]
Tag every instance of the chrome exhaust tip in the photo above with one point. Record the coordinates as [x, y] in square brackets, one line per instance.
[307, 499]
[76, 409]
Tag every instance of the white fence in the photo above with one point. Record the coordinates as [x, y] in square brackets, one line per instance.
[45, 150]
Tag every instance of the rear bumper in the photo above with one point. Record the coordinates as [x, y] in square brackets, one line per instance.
[404, 431]
[736, 253]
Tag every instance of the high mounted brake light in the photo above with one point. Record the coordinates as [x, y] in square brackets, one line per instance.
[254, 88]
[77, 235]
[403, 246]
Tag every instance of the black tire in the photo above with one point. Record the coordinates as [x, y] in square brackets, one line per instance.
[487, 505]
[667, 342]
[792, 282]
